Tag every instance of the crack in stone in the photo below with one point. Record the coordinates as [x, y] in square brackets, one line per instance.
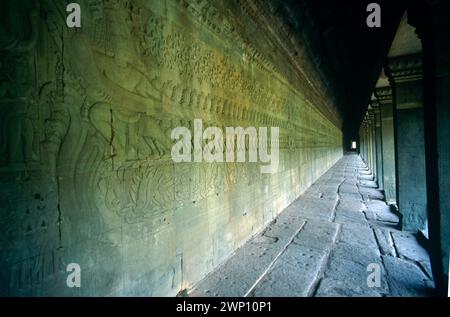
[325, 263]
[338, 200]
[270, 266]
[397, 253]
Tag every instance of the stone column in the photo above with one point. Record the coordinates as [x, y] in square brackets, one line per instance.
[367, 136]
[366, 143]
[369, 131]
[361, 141]
[442, 37]
[363, 137]
[433, 28]
[378, 143]
[369, 143]
[405, 74]
[384, 97]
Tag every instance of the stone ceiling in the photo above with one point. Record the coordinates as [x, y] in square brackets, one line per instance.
[351, 54]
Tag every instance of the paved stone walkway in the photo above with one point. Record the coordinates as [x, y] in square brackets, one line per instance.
[323, 245]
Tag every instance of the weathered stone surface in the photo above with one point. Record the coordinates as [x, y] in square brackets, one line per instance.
[355, 253]
[358, 235]
[406, 278]
[351, 196]
[382, 211]
[408, 247]
[316, 191]
[350, 210]
[317, 234]
[367, 183]
[348, 188]
[281, 229]
[370, 215]
[366, 178]
[344, 216]
[370, 193]
[330, 287]
[294, 274]
[346, 273]
[313, 208]
[385, 242]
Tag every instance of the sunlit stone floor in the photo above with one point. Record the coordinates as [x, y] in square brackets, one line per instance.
[329, 242]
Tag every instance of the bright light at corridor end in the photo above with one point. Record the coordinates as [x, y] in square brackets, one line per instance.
[353, 145]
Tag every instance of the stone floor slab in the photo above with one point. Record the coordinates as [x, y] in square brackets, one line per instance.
[294, 274]
[385, 242]
[358, 235]
[406, 279]
[408, 247]
[316, 234]
[349, 265]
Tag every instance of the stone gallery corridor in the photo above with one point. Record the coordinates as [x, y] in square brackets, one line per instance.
[321, 244]
[224, 148]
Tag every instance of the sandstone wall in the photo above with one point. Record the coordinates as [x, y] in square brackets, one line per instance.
[85, 169]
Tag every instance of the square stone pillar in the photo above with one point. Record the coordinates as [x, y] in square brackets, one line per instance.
[369, 142]
[378, 143]
[384, 97]
[361, 141]
[442, 36]
[406, 78]
[366, 144]
[433, 28]
[372, 142]
[363, 137]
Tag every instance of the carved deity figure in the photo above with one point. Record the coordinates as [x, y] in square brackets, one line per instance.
[17, 104]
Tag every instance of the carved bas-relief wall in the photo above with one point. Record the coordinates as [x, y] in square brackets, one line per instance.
[86, 174]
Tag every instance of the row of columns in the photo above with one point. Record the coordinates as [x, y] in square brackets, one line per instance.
[405, 135]
[368, 142]
[377, 146]
[392, 141]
